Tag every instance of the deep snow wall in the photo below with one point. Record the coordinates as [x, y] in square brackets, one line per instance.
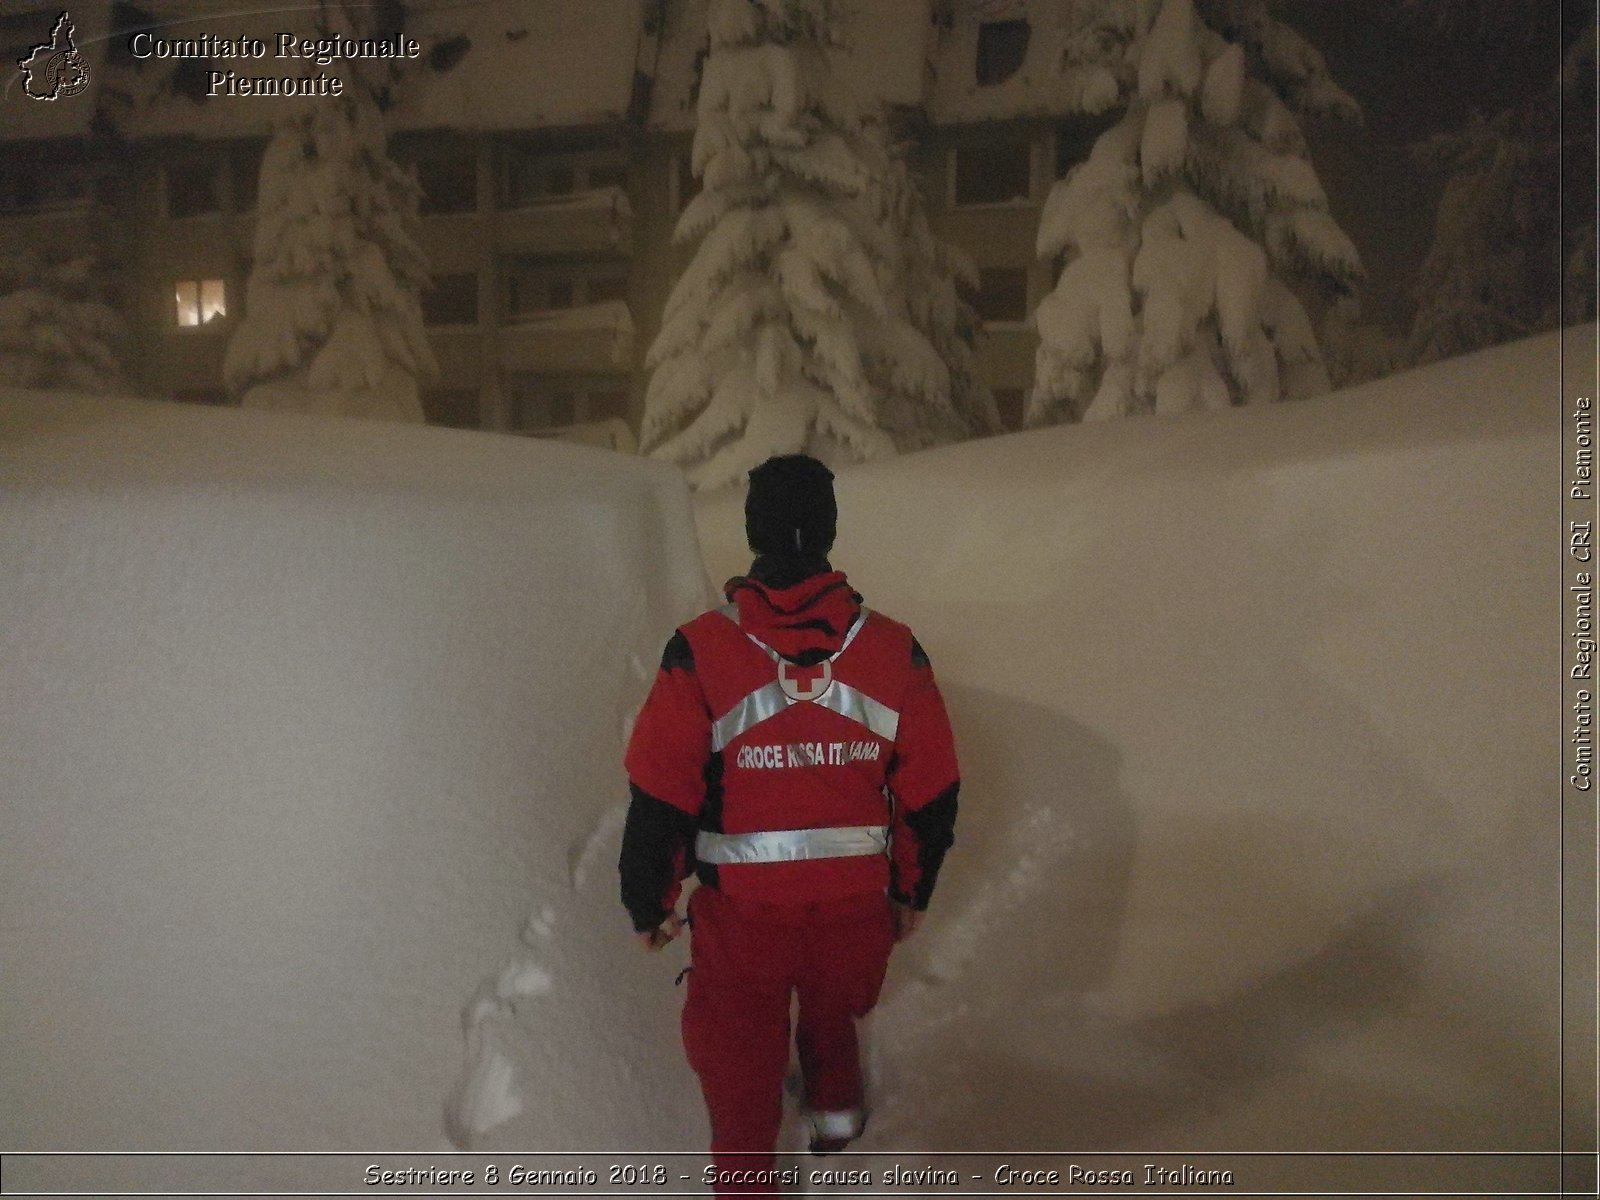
[312, 734]
[1259, 720]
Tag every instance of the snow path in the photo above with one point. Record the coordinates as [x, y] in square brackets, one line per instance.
[1257, 846]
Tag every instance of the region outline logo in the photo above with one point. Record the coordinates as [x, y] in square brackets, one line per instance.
[55, 68]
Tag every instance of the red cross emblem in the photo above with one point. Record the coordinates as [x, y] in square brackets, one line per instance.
[804, 683]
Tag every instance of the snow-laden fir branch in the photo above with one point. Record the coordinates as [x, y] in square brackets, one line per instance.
[793, 328]
[1183, 235]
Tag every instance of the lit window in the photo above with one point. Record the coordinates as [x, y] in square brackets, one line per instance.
[1002, 47]
[993, 174]
[200, 302]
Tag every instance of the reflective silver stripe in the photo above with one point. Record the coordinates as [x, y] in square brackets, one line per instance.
[843, 1123]
[854, 629]
[791, 845]
[861, 708]
[766, 701]
[769, 699]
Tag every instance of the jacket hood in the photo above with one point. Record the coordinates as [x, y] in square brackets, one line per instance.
[805, 619]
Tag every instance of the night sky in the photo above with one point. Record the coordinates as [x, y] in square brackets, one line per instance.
[1414, 79]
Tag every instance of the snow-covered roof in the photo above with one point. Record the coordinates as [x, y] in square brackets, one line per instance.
[507, 64]
[885, 54]
[1037, 88]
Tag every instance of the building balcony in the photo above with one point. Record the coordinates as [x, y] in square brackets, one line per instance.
[593, 223]
[68, 226]
[587, 339]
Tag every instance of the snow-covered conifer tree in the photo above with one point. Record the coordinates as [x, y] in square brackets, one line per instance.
[924, 282]
[332, 318]
[1191, 220]
[1496, 270]
[780, 336]
[57, 327]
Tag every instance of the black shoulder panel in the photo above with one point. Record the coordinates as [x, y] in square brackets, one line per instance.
[678, 654]
[919, 656]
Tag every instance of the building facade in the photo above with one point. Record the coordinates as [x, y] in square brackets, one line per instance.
[551, 144]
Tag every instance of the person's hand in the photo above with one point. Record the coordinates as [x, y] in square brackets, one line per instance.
[906, 920]
[654, 939]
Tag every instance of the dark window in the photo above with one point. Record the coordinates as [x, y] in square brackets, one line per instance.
[558, 293]
[608, 175]
[540, 403]
[246, 177]
[19, 192]
[519, 180]
[530, 290]
[605, 404]
[1002, 47]
[455, 407]
[451, 300]
[528, 178]
[992, 174]
[192, 189]
[1009, 401]
[520, 294]
[449, 185]
[542, 409]
[38, 185]
[561, 408]
[608, 287]
[559, 180]
[1002, 294]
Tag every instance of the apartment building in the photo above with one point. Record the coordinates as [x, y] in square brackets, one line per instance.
[551, 143]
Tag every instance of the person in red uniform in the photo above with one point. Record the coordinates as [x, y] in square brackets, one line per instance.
[794, 755]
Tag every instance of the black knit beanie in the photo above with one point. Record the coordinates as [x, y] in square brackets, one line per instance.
[790, 509]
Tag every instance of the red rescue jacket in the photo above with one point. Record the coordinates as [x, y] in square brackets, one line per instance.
[792, 709]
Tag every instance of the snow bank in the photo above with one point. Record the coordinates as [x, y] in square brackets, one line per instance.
[1259, 845]
[312, 784]
[312, 795]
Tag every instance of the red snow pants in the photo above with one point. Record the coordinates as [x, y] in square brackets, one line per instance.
[748, 958]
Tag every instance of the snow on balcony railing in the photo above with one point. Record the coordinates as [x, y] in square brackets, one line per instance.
[610, 434]
[611, 197]
[608, 317]
[601, 208]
